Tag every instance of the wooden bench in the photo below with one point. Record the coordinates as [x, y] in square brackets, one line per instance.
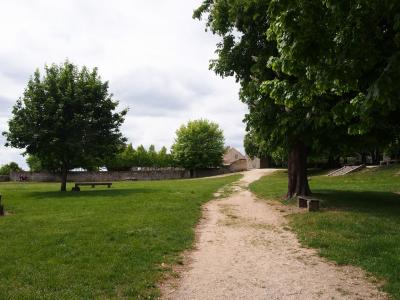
[131, 179]
[77, 188]
[388, 162]
[307, 202]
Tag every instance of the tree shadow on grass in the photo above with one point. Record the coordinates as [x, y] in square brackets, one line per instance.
[362, 201]
[91, 193]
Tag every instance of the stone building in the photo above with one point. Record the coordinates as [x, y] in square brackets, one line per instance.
[231, 155]
[236, 161]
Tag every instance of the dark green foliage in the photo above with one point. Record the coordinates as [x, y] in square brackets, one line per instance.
[128, 157]
[6, 169]
[347, 53]
[34, 163]
[393, 149]
[359, 221]
[314, 74]
[199, 144]
[100, 243]
[66, 119]
[164, 159]
[255, 146]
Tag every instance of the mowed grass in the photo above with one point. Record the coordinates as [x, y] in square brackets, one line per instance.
[359, 223]
[100, 243]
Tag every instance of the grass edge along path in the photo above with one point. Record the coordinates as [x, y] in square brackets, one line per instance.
[359, 221]
[100, 243]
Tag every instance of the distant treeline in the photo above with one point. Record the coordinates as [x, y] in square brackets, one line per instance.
[125, 159]
[129, 157]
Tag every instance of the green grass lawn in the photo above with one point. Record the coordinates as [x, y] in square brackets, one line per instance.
[359, 223]
[100, 243]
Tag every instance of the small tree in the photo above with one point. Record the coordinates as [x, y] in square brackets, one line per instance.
[142, 156]
[34, 163]
[164, 159]
[66, 119]
[152, 156]
[124, 159]
[11, 167]
[199, 144]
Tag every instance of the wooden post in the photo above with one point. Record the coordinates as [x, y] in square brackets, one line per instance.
[1, 208]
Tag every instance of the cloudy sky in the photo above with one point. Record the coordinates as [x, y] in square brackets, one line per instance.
[154, 55]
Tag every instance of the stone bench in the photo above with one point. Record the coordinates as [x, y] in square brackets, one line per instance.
[77, 188]
[307, 202]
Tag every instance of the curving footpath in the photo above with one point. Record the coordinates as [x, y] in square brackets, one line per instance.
[244, 250]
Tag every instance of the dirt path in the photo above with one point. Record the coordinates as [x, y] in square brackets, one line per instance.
[245, 251]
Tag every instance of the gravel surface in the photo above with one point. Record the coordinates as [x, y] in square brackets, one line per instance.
[244, 250]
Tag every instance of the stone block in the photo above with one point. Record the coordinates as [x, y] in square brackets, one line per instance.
[313, 205]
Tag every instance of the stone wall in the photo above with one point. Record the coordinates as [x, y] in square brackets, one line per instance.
[160, 174]
[212, 172]
[103, 176]
[253, 163]
[4, 178]
[238, 166]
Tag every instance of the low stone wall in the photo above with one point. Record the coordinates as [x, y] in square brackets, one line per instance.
[102, 176]
[212, 172]
[238, 166]
[161, 174]
[4, 178]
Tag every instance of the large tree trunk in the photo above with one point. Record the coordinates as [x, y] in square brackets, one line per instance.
[64, 174]
[333, 162]
[297, 171]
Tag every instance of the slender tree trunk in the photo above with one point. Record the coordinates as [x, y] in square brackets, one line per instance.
[297, 171]
[266, 162]
[363, 158]
[333, 162]
[376, 157]
[64, 174]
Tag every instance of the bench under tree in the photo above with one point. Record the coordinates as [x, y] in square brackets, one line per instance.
[308, 202]
[77, 186]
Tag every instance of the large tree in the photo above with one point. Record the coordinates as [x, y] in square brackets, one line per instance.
[66, 119]
[245, 53]
[312, 73]
[347, 51]
[198, 145]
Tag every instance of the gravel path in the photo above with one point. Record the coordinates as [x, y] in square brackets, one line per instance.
[244, 250]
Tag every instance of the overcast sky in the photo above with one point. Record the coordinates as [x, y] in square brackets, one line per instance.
[154, 55]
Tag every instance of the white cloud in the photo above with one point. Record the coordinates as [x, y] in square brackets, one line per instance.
[152, 52]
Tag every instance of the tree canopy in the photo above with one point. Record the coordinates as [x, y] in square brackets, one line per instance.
[199, 144]
[314, 74]
[10, 167]
[66, 119]
[34, 163]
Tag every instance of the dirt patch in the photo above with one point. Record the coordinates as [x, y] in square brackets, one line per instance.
[245, 250]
